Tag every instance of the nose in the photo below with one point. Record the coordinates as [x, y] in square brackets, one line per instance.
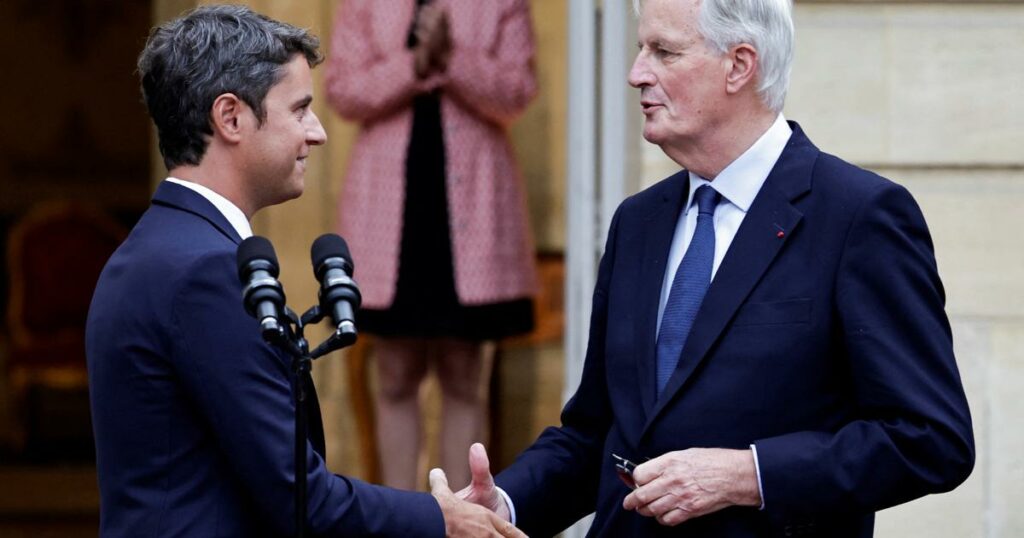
[315, 134]
[639, 74]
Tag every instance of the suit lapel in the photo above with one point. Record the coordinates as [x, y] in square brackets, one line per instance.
[660, 225]
[316, 420]
[173, 195]
[756, 244]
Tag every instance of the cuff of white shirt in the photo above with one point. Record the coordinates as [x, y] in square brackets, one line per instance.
[757, 468]
[508, 502]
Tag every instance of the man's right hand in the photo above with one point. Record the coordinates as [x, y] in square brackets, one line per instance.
[481, 489]
[465, 519]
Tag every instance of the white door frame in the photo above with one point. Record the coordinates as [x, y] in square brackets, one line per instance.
[602, 162]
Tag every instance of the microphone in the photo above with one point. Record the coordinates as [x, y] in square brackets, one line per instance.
[339, 295]
[263, 295]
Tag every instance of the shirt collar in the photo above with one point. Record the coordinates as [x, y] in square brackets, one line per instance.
[740, 182]
[230, 211]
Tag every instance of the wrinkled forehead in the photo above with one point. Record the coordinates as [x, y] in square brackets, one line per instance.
[669, 21]
[668, 5]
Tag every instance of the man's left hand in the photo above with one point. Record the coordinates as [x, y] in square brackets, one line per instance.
[685, 484]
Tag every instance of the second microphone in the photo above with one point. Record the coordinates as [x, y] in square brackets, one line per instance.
[339, 294]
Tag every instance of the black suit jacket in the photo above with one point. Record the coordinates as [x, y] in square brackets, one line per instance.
[822, 340]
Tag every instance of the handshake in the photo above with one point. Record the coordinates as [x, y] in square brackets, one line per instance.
[478, 509]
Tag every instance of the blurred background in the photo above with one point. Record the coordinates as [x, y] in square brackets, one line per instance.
[926, 93]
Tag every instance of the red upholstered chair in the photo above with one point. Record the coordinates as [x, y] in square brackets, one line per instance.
[55, 254]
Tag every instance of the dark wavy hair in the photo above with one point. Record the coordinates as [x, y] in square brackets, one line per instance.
[212, 50]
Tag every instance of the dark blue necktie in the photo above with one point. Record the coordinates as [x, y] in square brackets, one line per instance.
[693, 276]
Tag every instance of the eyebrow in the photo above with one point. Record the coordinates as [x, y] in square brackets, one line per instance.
[304, 102]
[664, 44]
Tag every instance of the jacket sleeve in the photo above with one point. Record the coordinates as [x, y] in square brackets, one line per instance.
[364, 82]
[912, 433]
[497, 83]
[241, 387]
[554, 482]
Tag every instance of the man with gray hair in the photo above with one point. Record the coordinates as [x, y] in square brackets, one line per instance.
[193, 412]
[769, 352]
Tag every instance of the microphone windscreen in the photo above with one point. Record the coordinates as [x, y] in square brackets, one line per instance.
[256, 248]
[329, 246]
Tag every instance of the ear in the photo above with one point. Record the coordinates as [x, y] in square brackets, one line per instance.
[742, 68]
[226, 117]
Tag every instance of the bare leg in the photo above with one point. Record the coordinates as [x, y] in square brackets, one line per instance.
[459, 364]
[401, 368]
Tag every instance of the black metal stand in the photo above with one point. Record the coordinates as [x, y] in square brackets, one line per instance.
[292, 341]
[302, 367]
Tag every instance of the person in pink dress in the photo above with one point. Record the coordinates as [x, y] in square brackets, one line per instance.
[433, 204]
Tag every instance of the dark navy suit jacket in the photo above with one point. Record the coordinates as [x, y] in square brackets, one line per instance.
[822, 340]
[193, 412]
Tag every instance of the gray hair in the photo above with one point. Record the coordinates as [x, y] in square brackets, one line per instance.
[767, 25]
[209, 51]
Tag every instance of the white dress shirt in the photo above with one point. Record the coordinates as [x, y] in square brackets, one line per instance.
[738, 184]
[236, 218]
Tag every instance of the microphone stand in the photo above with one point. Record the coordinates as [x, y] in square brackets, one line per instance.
[293, 342]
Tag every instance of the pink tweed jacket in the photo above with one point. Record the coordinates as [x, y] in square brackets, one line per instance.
[490, 80]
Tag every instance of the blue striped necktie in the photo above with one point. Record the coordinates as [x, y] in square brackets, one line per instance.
[693, 276]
